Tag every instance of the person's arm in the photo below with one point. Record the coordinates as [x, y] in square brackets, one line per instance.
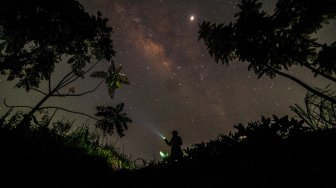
[167, 142]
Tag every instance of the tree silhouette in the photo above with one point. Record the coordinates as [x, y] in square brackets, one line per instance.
[36, 35]
[112, 118]
[318, 112]
[268, 135]
[113, 78]
[269, 131]
[272, 43]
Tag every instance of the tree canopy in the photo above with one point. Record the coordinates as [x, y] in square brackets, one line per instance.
[274, 42]
[37, 34]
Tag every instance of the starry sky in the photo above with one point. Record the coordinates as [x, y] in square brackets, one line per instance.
[174, 82]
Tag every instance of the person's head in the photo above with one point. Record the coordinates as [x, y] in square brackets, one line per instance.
[174, 133]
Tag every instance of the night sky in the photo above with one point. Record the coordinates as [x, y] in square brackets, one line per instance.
[174, 82]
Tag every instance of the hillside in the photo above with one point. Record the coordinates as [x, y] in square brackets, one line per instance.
[257, 155]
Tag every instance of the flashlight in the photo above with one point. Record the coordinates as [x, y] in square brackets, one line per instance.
[162, 136]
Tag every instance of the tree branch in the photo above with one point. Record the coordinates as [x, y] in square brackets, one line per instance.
[52, 116]
[315, 43]
[80, 94]
[50, 107]
[68, 81]
[59, 85]
[71, 79]
[64, 109]
[314, 91]
[49, 84]
[39, 91]
[15, 106]
[319, 72]
[7, 113]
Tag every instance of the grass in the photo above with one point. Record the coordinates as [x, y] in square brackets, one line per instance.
[54, 156]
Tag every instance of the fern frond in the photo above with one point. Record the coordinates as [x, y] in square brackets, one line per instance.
[111, 68]
[111, 90]
[99, 74]
[124, 79]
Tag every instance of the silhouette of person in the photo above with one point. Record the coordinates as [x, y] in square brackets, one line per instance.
[175, 143]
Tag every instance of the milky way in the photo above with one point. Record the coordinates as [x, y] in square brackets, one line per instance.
[174, 82]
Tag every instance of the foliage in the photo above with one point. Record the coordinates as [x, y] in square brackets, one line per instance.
[272, 152]
[326, 59]
[274, 42]
[318, 112]
[261, 134]
[90, 143]
[59, 150]
[36, 34]
[269, 131]
[278, 41]
[61, 128]
[113, 78]
[112, 118]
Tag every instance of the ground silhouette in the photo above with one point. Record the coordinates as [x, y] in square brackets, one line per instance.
[277, 152]
[281, 152]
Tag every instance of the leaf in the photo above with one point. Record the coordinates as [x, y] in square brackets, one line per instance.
[111, 119]
[119, 107]
[124, 79]
[99, 74]
[71, 60]
[111, 68]
[3, 46]
[111, 91]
